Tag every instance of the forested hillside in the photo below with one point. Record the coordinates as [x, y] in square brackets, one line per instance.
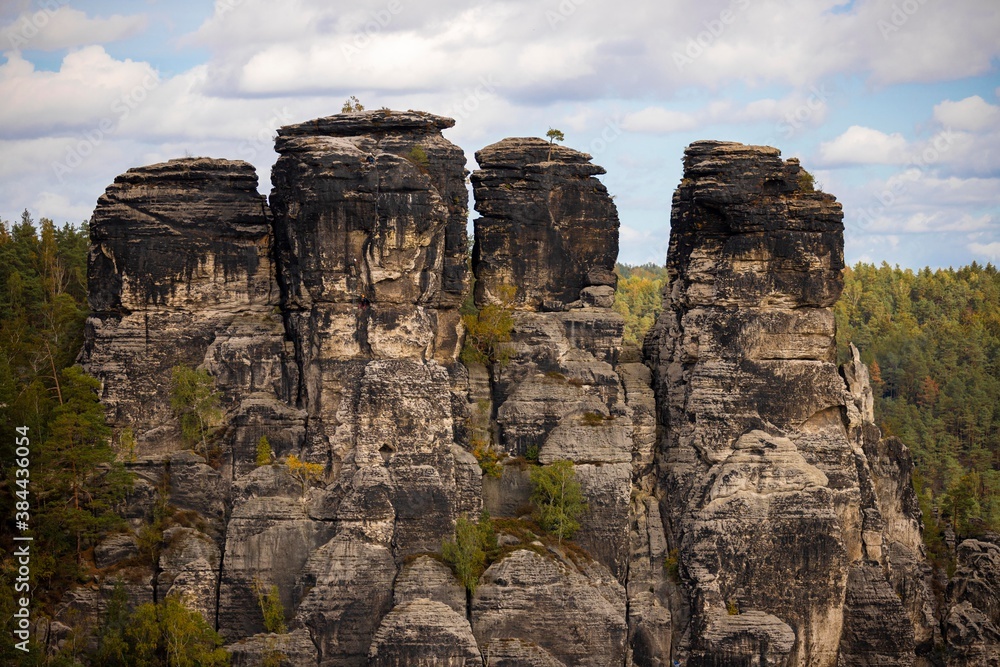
[638, 298]
[932, 342]
[68, 499]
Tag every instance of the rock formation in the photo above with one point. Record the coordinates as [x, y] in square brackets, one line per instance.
[549, 231]
[972, 623]
[742, 507]
[765, 480]
[548, 227]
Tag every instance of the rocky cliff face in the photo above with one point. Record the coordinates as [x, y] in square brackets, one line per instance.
[548, 227]
[549, 230]
[768, 489]
[742, 507]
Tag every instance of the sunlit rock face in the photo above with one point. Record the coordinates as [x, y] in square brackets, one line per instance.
[766, 493]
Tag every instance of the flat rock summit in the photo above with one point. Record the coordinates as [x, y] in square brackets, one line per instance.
[742, 508]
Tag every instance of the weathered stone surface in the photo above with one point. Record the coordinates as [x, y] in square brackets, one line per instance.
[575, 614]
[114, 549]
[769, 499]
[270, 537]
[973, 639]
[293, 649]
[370, 214]
[973, 623]
[181, 272]
[424, 633]
[548, 227]
[517, 653]
[371, 205]
[560, 394]
[748, 638]
[346, 589]
[429, 578]
[189, 568]
[877, 630]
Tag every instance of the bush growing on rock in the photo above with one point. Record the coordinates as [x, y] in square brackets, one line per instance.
[488, 332]
[352, 105]
[470, 552]
[196, 402]
[806, 181]
[558, 498]
[164, 634]
[418, 156]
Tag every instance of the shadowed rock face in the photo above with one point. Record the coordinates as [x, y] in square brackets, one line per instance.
[180, 272]
[191, 232]
[371, 205]
[548, 227]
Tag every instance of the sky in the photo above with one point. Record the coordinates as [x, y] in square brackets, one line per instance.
[893, 106]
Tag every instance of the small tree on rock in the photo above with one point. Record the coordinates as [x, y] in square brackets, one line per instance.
[558, 498]
[195, 400]
[264, 452]
[553, 135]
[307, 473]
[472, 548]
[269, 599]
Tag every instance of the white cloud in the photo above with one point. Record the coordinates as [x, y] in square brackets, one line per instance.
[973, 113]
[657, 120]
[58, 207]
[65, 27]
[89, 87]
[643, 246]
[798, 109]
[989, 250]
[592, 50]
[864, 145]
